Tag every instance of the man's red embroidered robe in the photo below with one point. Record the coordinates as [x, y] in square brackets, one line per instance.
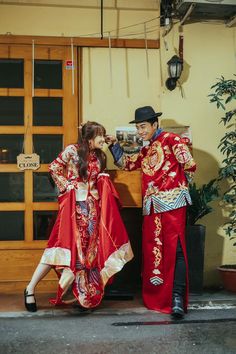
[166, 165]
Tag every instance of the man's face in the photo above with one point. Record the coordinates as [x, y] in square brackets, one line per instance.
[146, 130]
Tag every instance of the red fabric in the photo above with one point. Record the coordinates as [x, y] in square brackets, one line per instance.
[112, 231]
[166, 148]
[171, 226]
[87, 286]
[165, 162]
[65, 233]
[108, 236]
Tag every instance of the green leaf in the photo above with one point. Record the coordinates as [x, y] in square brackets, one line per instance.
[225, 90]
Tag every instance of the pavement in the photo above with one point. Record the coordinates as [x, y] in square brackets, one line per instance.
[12, 305]
[118, 327]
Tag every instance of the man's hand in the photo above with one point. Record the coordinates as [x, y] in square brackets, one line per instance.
[110, 139]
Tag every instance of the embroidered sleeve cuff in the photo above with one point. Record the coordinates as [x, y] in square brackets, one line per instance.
[189, 176]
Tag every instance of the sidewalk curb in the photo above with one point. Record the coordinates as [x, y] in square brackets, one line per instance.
[207, 305]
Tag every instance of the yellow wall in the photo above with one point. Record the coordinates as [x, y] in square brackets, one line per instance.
[78, 17]
[112, 96]
[209, 52]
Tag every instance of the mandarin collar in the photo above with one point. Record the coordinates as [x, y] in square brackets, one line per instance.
[155, 135]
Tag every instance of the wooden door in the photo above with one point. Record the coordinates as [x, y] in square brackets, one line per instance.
[38, 113]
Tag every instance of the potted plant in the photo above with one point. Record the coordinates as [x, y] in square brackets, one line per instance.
[195, 232]
[224, 96]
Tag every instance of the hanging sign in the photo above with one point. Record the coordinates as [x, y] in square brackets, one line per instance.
[69, 65]
[28, 161]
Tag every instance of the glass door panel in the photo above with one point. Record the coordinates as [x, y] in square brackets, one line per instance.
[44, 189]
[11, 145]
[11, 110]
[11, 73]
[47, 146]
[43, 224]
[48, 74]
[47, 111]
[11, 225]
[12, 189]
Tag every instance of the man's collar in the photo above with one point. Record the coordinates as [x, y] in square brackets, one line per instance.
[156, 134]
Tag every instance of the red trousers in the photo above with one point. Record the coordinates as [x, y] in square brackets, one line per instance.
[160, 235]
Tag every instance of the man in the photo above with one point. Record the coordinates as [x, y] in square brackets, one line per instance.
[166, 166]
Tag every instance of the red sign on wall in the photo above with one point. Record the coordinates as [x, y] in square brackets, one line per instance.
[69, 64]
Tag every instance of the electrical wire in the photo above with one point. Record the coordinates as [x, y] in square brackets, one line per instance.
[120, 29]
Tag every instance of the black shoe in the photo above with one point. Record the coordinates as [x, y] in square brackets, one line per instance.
[30, 307]
[177, 307]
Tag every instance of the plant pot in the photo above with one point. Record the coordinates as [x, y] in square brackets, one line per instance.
[195, 243]
[228, 276]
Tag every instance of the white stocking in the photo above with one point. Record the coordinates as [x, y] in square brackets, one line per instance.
[40, 272]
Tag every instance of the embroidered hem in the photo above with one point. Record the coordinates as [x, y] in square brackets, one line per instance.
[116, 261]
[56, 256]
[164, 201]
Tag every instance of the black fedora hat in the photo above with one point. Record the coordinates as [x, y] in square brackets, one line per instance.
[144, 114]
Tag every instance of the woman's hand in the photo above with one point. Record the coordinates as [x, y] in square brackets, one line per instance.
[70, 187]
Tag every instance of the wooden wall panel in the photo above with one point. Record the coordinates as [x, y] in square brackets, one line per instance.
[81, 41]
[128, 185]
[17, 267]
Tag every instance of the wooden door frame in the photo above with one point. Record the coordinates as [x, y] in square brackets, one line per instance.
[81, 41]
[68, 130]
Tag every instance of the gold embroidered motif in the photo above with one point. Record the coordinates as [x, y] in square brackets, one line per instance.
[166, 166]
[167, 150]
[168, 196]
[182, 153]
[153, 160]
[158, 226]
[157, 278]
[157, 248]
[172, 174]
[157, 253]
[151, 189]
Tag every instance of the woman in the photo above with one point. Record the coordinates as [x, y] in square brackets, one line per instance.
[84, 247]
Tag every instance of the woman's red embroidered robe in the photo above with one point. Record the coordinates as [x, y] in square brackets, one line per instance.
[166, 165]
[84, 248]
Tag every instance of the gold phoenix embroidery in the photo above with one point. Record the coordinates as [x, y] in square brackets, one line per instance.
[157, 249]
[153, 160]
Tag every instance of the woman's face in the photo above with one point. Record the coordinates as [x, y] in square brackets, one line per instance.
[97, 142]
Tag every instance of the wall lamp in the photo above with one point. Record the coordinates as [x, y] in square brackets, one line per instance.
[175, 68]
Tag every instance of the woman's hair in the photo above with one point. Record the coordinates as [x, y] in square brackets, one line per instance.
[88, 132]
